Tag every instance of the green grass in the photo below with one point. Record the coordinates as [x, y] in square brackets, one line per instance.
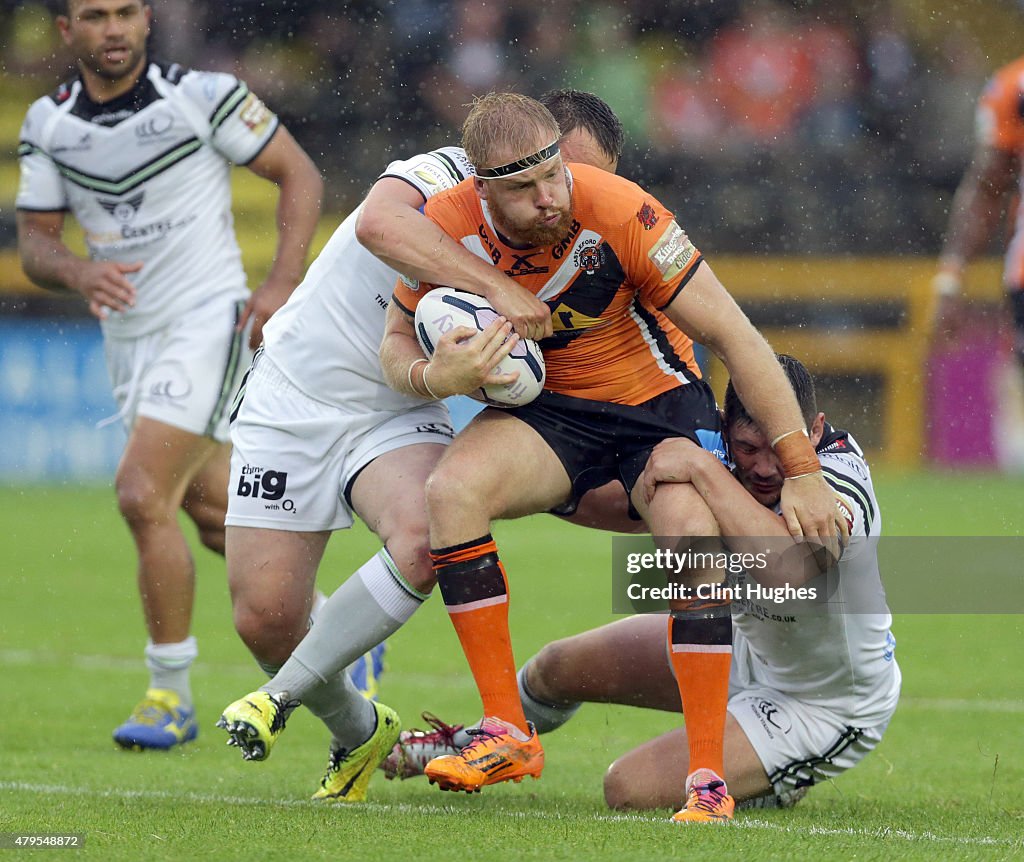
[947, 780]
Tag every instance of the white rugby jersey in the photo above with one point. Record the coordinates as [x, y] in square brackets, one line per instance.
[147, 177]
[325, 339]
[843, 661]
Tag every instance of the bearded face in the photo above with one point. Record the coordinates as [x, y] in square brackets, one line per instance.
[533, 208]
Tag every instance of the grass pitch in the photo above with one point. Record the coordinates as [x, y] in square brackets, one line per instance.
[948, 780]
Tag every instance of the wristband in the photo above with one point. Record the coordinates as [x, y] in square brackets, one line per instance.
[796, 454]
[427, 385]
[784, 436]
[412, 385]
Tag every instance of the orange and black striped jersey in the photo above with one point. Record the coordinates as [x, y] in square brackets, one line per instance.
[624, 259]
[999, 124]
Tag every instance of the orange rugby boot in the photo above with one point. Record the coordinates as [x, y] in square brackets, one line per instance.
[707, 800]
[499, 752]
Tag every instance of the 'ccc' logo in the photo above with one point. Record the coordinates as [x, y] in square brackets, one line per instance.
[154, 126]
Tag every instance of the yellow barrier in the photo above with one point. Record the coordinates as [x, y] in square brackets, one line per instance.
[805, 289]
[824, 288]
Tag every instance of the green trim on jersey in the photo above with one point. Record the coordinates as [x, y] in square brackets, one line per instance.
[133, 180]
[229, 104]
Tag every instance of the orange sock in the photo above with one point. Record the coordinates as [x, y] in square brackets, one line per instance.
[700, 645]
[475, 590]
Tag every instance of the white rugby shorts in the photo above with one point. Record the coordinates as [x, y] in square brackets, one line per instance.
[798, 742]
[184, 375]
[294, 459]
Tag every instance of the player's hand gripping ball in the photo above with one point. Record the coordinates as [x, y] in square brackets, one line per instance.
[445, 308]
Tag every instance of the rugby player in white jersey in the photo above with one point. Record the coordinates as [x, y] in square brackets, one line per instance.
[319, 437]
[140, 154]
[810, 695]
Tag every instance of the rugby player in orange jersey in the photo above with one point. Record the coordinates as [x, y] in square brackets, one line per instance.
[612, 263]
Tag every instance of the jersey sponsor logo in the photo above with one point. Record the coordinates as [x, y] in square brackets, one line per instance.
[647, 216]
[112, 118]
[123, 211]
[559, 250]
[492, 249]
[672, 252]
[588, 256]
[433, 177]
[268, 485]
[255, 114]
[130, 235]
[522, 265]
[154, 129]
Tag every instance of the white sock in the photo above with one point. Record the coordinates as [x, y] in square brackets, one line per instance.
[365, 610]
[169, 666]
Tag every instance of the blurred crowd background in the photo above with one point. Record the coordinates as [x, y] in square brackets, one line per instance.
[770, 126]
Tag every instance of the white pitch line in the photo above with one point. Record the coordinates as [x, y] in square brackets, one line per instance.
[555, 816]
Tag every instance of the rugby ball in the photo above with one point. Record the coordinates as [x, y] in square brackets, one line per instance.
[445, 308]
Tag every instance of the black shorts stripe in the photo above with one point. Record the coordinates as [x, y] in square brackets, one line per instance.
[236, 403]
[802, 771]
[230, 372]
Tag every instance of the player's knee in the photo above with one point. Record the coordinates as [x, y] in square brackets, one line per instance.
[619, 786]
[139, 499]
[409, 548]
[270, 633]
[547, 672]
[451, 488]
[209, 521]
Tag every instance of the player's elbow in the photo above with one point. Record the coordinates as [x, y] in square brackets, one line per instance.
[371, 230]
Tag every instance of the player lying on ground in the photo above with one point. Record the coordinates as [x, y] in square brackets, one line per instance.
[808, 698]
[613, 264]
[319, 437]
